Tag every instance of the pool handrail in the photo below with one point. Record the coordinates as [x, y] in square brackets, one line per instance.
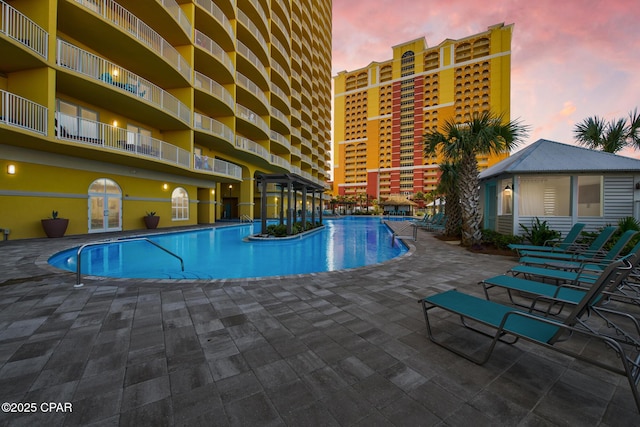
[106, 242]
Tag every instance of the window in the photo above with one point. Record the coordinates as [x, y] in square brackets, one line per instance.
[590, 195]
[76, 122]
[545, 196]
[179, 204]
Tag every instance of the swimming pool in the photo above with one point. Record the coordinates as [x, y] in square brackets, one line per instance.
[224, 253]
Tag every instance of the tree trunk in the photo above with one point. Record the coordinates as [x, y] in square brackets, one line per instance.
[454, 214]
[470, 201]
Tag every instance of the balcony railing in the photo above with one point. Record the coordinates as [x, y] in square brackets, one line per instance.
[88, 64]
[208, 85]
[249, 146]
[88, 132]
[220, 167]
[180, 17]
[252, 87]
[250, 116]
[253, 58]
[122, 18]
[244, 19]
[281, 139]
[277, 160]
[213, 127]
[217, 13]
[214, 49]
[20, 112]
[23, 30]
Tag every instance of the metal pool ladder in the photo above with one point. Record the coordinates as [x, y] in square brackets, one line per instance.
[107, 242]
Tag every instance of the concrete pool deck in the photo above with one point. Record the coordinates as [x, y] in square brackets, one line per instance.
[345, 348]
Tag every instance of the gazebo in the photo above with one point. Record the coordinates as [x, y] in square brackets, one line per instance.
[400, 203]
[292, 183]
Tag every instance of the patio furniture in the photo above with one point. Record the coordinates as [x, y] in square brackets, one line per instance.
[506, 324]
[553, 245]
[575, 252]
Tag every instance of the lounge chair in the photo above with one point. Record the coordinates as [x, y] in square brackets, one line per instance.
[553, 245]
[593, 250]
[533, 293]
[422, 221]
[508, 324]
[577, 259]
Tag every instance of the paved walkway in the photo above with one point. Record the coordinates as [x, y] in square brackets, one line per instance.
[342, 348]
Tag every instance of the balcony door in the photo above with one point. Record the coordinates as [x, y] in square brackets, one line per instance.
[105, 206]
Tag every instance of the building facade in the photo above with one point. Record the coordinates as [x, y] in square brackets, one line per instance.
[382, 111]
[113, 109]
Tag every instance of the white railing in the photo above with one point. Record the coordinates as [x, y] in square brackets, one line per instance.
[256, 4]
[204, 42]
[89, 132]
[276, 89]
[281, 25]
[122, 18]
[306, 159]
[244, 19]
[217, 13]
[296, 151]
[283, 50]
[253, 58]
[88, 64]
[250, 116]
[220, 167]
[20, 112]
[213, 127]
[284, 8]
[249, 146]
[245, 82]
[281, 116]
[23, 30]
[208, 85]
[275, 136]
[277, 160]
[180, 17]
[296, 170]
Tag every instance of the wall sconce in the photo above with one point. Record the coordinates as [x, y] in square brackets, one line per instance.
[115, 73]
[637, 185]
[507, 189]
[115, 123]
[230, 188]
[165, 187]
[11, 169]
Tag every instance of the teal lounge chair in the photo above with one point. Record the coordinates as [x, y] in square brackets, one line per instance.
[578, 259]
[553, 245]
[501, 323]
[589, 252]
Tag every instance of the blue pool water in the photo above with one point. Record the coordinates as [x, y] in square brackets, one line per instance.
[223, 252]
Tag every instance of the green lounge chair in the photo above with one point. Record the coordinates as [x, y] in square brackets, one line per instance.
[576, 260]
[508, 324]
[553, 245]
[589, 252]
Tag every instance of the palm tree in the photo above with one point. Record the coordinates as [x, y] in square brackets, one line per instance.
[448, 186]
[483, 134]
[598, 134]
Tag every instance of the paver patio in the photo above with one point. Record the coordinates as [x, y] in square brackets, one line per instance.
[345, 348]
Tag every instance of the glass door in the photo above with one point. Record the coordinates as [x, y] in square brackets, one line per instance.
[105, 206]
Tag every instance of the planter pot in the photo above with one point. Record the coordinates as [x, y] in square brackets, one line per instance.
[151, 221]
[55, 227]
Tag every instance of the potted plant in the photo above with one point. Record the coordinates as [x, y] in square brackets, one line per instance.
[55, 226]
[151, 220]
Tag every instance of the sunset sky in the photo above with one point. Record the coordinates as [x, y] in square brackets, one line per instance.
[570, 59]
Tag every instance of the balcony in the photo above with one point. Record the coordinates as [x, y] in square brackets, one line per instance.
[224, 64]
[246, 84]
[246, 145]
[205, 84]
[164, 15]
[213, 127]
[106, 26]
[279, 161]
[252, 117]
[26, 34]
[73, 58]
[249, 57]
[19, 112]
[256, 40]
[97, 134]
[280, 139]
[217, 167]
[218, 16]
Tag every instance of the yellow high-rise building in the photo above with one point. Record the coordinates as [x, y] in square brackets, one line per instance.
[382, 111]
[111, 109]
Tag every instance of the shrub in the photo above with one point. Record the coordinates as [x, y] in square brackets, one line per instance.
[539, 233]
[498, 240]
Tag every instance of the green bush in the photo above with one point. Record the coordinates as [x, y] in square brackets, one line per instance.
[498, 240]
[539, 233]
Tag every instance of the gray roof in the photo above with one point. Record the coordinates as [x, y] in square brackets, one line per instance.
[545, 156]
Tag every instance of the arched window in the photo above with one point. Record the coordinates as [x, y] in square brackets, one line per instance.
[179, 204]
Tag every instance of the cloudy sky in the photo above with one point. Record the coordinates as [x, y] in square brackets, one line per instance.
[571, 59]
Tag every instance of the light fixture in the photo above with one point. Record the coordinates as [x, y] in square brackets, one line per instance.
[507, 188]
[165, 186]
[11, 169]
[115, 123]
[115, 73]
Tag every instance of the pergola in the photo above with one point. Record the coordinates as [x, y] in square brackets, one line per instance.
[292, 183]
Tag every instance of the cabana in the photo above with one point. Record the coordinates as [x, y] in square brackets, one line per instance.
[398, 205]
[561, 184]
